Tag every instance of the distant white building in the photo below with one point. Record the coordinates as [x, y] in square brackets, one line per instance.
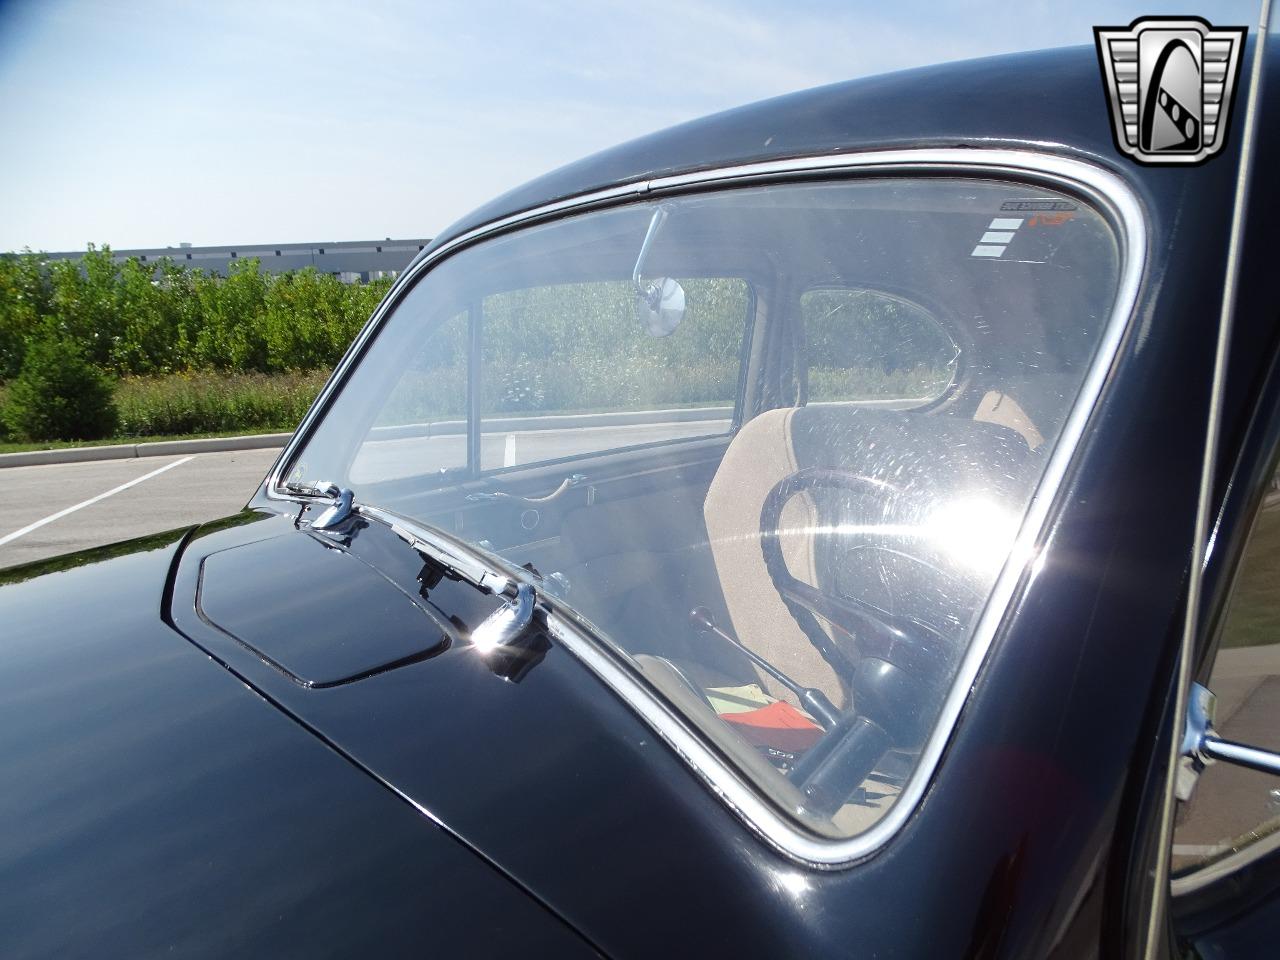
[348, 260]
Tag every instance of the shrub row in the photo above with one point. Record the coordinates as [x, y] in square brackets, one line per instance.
[133, 318]
[192, 352]
[85, 346]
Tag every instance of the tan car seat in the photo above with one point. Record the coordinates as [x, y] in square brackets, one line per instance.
[760, 456]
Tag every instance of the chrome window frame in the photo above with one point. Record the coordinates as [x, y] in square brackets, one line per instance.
[1108, 193]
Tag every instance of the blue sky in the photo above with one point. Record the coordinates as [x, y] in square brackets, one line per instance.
[241, 121]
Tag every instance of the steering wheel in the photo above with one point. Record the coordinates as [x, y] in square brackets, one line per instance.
[902, 664]
[907, 641]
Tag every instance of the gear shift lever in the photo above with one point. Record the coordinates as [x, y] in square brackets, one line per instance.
[813, 700]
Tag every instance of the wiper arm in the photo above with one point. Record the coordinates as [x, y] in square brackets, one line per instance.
[505, 625]
[456, 558]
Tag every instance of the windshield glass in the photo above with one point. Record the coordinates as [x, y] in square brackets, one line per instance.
[773, 443]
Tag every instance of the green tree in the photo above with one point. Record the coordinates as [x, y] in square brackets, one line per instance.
[84, 302]
[146, 327]
[145, 319]
[24, 301]
[59, 394]
[230, 334]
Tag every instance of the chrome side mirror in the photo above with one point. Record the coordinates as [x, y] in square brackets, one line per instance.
[659, 302]
[1201, 745]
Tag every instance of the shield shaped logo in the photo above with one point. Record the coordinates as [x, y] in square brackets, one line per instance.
[1170, 85]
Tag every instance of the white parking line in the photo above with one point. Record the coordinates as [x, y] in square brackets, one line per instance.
[92, 500]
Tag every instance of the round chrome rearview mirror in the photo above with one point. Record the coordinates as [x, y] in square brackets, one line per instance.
[660, 306]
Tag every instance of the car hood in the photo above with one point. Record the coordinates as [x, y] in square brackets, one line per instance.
[541, 768]
[306, 713]
[155, 803]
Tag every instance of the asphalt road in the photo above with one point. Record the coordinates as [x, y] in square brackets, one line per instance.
[188, 490]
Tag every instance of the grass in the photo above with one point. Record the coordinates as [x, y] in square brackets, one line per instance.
[192, 405]
[208, 404]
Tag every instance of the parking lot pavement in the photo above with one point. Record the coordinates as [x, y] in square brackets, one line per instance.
[112, 500]
[59, 508]
[1231, 803]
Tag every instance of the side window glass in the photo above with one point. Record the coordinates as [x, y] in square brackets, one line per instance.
[1234, 807]
[864, 345]
[567, 369]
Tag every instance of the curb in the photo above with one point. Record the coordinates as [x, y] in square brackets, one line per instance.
[128, 451]
[439, 428]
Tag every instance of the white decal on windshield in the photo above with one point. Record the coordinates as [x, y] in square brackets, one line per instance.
[996, 237]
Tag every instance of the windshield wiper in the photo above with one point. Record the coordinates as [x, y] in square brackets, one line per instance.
[503, 627]
[456, 558]
[511, 620]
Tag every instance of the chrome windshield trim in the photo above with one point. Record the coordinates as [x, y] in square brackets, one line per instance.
[1108, 192]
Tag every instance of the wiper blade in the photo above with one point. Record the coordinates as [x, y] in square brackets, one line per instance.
[457, 558]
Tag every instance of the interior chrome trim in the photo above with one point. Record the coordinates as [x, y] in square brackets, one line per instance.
[1104, 189]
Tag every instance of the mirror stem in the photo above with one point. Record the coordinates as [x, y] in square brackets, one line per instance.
[653, 292]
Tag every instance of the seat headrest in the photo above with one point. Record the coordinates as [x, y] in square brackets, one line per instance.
[909, 450]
